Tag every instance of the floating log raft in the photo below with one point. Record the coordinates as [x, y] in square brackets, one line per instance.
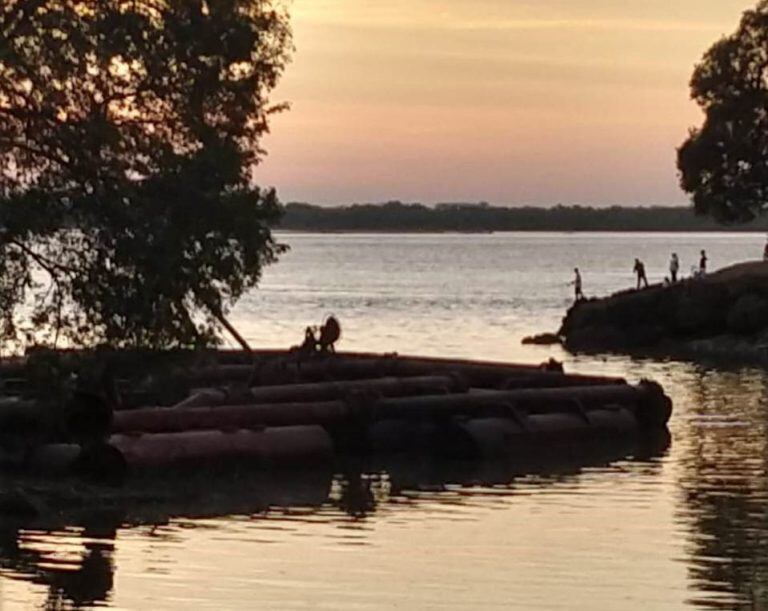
[647, 405]
[279, 409]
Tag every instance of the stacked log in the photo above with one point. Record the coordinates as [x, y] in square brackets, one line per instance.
[291, 370]
[279, 410]
[326, 391]
[328, 413]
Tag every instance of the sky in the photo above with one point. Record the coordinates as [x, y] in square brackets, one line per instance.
[514, 102]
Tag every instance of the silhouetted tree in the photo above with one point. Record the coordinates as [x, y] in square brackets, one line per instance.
[129, 132]
[724, 164]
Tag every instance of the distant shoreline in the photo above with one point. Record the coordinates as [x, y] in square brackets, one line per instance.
[505, 231]
[397, 217]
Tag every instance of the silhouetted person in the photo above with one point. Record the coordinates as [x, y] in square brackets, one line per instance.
[577, 285]
[674, 267]
[703, 263]
[330, 333]
[310, 342]
[765, 252]
[639, 269]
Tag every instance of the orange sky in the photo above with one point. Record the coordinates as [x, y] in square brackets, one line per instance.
[509, 101]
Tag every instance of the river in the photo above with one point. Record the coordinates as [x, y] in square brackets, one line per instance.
[682, 527]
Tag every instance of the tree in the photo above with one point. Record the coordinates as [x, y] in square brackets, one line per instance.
[129, 134]
[724, 164]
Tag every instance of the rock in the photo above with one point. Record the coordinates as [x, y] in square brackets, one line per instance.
[748, 315]
[724, 315]
[596, 338]
[544, 339]
[699, 311]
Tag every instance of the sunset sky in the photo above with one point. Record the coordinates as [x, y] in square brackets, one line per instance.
[509, 101]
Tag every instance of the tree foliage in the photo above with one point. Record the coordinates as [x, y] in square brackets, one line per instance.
[724, 164]
[129, 134]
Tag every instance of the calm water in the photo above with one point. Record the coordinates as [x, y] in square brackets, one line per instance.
[687, 527]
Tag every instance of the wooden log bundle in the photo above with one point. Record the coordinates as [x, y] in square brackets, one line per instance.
[279, 410]
[289, 369]
[325, 391]
[637, 398]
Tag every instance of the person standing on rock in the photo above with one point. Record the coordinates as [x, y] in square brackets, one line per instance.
[639, 269]
[703, 263]
[577, 285]
[674, 267]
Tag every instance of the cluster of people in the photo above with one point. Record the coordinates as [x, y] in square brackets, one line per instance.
[325, 339]
[642, 279]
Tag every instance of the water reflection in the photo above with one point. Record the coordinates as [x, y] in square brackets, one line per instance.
[72, 554]
[77, 568]
[725, 489]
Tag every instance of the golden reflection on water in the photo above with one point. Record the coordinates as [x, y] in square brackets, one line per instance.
[724, 490]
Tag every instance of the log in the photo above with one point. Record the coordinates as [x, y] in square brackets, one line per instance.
[486, 438]
[169, 420]
[269, 447]
[542, 400]
[325, 391]
[205, 397]
[397, 436]
[556, 380]
[291, 368]
[498, 436]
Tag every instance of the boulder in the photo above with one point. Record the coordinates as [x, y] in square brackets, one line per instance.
[748, 315]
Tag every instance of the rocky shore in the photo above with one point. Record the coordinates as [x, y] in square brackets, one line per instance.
[723, 316]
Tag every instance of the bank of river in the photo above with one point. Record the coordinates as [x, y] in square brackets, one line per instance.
[721, 317]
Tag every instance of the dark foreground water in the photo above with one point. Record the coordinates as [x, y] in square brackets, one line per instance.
[676, 528]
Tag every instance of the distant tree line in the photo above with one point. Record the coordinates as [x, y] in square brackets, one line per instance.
[413, 217]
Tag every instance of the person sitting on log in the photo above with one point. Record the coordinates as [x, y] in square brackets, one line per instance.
[330, 333]
[310, 342]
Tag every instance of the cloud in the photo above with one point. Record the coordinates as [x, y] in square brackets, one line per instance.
[504, 16]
